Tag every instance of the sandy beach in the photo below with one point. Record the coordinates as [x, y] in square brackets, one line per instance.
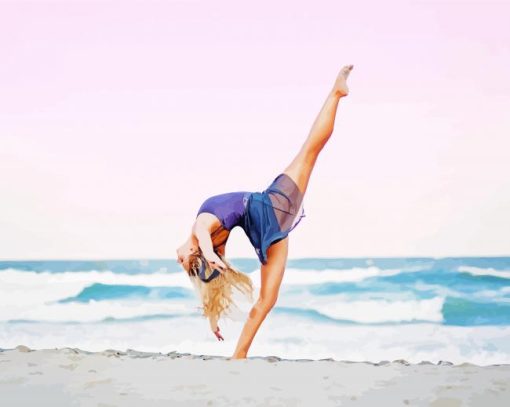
[75, 377]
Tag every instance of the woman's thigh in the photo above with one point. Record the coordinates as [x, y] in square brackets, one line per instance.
[300, 169]
[271, 273]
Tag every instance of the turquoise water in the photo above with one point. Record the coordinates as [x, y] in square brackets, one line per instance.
[376, 294]
[472, 291]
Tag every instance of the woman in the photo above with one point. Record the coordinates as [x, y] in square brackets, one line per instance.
[267, 217]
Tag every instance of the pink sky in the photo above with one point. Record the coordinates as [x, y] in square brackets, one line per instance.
[118, 119]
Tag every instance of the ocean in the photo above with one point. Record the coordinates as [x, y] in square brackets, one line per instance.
[362, 309]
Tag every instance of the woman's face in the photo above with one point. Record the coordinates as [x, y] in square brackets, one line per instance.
[183, 260]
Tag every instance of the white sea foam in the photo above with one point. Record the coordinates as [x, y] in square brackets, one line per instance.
[282, 335]
[27, 287]
[355, 274]
[440, 290]
[336, 307]
[477, 271]
[94, 311]
[35, 296]
[370, 311]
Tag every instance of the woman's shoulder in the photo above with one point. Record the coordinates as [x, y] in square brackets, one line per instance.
[209, 220]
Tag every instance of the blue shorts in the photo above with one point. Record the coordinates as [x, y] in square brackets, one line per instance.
[271, 214]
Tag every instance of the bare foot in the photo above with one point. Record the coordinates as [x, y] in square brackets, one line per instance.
[238, 356]
[340, 88]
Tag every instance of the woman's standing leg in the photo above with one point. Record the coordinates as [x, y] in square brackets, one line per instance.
[299, 170]
[301, 167]
[271, 275]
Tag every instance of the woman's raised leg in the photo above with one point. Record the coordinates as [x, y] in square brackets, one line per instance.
[271, 275]
[301, 167]
[299, 170]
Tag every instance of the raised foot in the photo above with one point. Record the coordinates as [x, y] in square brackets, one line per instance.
[341, 89]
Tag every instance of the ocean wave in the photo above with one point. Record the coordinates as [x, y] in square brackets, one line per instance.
[284, 335]
[464, 312]
[364, 312]
[364, 295]
[355, 274]
[115, 266]
[477, 271]
[101, 292]
[371, 311]
[447, 310]
[96, 311]
[28, 287]
[497, 295]
[333, 309]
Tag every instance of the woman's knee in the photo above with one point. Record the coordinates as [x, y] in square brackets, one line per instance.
[266, 303]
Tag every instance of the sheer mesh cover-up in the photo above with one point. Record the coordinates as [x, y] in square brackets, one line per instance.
[272, 214]
[266, 217]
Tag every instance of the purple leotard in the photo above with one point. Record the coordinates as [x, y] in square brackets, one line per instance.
[266, 217]
[228, 208]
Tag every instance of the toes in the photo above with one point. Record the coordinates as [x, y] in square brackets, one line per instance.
[346, 70]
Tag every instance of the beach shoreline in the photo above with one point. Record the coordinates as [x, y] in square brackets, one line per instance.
[271, 358]
[75, 377]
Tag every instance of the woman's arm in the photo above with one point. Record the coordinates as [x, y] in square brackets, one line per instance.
[202, 231]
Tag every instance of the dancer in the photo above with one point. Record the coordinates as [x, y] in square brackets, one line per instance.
[267, 218]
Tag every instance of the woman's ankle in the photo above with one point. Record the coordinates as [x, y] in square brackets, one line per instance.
[239, 355]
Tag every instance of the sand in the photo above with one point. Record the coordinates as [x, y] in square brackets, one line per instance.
[74, 377]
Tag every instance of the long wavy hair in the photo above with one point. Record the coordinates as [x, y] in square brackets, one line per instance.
[216, 295]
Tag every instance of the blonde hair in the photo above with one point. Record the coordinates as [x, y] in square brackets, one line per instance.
[216, 295]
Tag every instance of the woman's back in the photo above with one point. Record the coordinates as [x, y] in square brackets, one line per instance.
[228, 208]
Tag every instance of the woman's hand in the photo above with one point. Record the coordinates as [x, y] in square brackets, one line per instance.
[217, 334]
[213, 322]
[215, 262]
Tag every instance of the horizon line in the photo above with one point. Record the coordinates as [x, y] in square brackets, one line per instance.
[255, 259]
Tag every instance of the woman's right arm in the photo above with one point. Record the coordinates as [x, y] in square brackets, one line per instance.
[202, 231]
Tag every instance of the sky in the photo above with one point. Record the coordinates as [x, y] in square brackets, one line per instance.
[118, 119]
